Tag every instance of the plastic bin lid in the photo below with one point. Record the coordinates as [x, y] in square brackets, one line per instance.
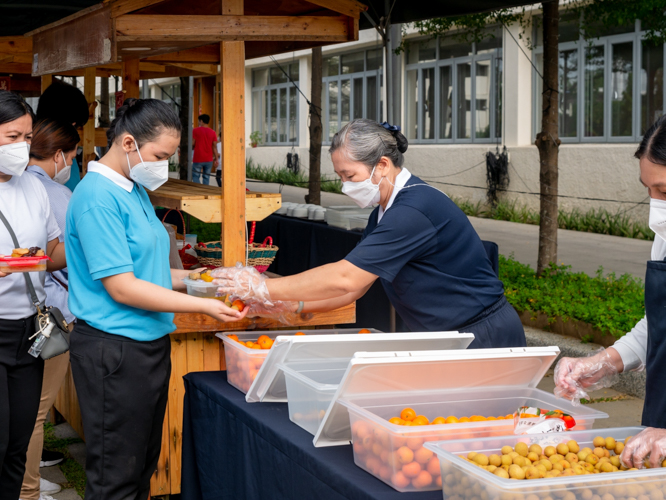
[374, 373]
[269, 386]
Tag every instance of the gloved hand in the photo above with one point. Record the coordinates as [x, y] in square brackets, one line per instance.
[575, 376]
[650, 443]
[245, 283]
[260, 309]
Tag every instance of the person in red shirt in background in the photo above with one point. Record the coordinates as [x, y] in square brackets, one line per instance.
[205, 151]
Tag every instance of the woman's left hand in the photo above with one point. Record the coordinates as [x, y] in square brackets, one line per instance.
[3, 275]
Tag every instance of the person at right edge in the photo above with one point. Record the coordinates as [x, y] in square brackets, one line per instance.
[644, 347]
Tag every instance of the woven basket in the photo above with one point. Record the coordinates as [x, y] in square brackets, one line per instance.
[260, 256]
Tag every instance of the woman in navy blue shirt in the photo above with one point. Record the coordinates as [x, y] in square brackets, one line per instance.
[420, 245]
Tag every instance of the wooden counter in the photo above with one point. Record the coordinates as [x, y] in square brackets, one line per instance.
[194, 347]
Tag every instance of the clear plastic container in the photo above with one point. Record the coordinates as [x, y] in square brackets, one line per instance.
[462, 480]
[243, 363]
[311, 386]
[375, 438]
[23, 264]
[200, 288]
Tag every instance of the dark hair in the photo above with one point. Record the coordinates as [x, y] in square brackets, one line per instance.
[145, 119]
[205, 119]
[13, 107]
[63, 102]
[653, 145]
[366, 141]
[48, 136]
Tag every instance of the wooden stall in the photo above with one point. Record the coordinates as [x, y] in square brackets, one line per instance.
[140, 39]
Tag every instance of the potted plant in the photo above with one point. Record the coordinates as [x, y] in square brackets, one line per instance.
[255, 138]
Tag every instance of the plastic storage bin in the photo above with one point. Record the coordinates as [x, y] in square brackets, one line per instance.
[311, 386]
[462, 480]
[243, 363]
[23, 264]
[375, 438]
[200, 288]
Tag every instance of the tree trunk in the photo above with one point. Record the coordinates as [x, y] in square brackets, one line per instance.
[547, 141]
[104, 101]
[314, 191]
[184, 122]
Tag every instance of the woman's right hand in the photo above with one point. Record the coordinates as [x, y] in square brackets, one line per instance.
[3, 275]
[216, 309]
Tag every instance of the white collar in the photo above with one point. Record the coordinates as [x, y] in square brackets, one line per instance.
[112, 175]
[400, 181]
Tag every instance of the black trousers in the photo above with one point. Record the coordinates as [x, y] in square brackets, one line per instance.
[497, 326]
[218, 177]
[122, 385]
[20, 392]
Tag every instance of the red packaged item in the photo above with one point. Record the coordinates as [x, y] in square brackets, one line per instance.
[23, 264]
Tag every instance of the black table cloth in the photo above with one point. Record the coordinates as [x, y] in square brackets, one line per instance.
[238, 450]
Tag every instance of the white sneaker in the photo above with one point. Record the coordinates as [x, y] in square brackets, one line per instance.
[43, 496]
[48, 487]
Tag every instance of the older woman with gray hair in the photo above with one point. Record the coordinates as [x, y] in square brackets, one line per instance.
[420, 245]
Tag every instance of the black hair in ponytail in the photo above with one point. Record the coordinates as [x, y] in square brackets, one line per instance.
[13, 107]
[144, 119]
[653, 145]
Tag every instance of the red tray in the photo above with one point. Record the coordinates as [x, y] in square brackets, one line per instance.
[22, 261]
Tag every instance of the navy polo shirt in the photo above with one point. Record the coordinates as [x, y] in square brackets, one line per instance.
[430, 260]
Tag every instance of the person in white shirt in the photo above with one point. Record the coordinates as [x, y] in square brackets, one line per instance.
[25, 205]
[52, 152]
[644, 347]
[218, 161]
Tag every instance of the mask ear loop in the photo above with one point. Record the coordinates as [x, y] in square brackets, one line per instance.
[386, 147]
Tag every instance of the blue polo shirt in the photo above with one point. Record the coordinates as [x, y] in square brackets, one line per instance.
[112, 229]
[430, 260]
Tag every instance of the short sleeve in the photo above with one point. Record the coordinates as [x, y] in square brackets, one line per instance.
[52, 228]
[101, 233]
[403, 234]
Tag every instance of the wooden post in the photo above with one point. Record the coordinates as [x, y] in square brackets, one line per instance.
[131, 78]
[89, 128]
[232, 76]
[47, 80]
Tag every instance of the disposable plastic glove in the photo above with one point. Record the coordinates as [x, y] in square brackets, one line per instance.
[245, 283]
[650, 442]
[284, 312]
[575, 376]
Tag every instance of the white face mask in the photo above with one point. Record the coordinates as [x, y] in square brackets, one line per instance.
[63, 176]
[658, 217]
[364, 193]
[14, 158]
[150, 174]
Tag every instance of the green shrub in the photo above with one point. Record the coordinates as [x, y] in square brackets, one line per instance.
[610, 304]
[288, 177]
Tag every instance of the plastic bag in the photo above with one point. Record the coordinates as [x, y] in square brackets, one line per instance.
[174, 257]
[574, 377]
[532, 420]
[243, 282]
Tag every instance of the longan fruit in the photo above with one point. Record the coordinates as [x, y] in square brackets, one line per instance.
[608, 496]
[610, 443]
[562, 449]
[565, 464]
[471, 455]
[549, 451]
[532, 473]
[606, 467]
[599, 452]
[506, 450]
[532, 457]
[586, 494]
[501, 473]
[547, 464]
[491, 468]
[571, 457]
[582, 455]
[587, 449]
[558, 466]
[598, 442]
[619, 447]
[541, 467]
[521, 449]
[519, 461]
[481, 459]
[553, 473]
[535, 448]
[573, 446]
[615, 461]
[627, 439]
[495, 460]
[506, 460]
[516, 472]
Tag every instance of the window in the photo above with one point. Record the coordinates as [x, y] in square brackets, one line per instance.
[275, 104]
[610, 88]
[351, 89]
[453, 90]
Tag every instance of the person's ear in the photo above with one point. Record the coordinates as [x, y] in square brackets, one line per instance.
[383, 166]
[57, 156]
[127, 143]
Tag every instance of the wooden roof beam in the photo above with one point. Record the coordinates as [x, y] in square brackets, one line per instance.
[346, 7]
[121, 7]
[208, 54]
[146, 28]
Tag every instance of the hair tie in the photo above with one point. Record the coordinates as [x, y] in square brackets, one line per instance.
[391, 128]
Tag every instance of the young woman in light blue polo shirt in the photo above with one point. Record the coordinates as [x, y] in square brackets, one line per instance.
[121, 291]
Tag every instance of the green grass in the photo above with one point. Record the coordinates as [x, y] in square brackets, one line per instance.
[287, 177]
[599, 221]
[74, 473]
[610, 304]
